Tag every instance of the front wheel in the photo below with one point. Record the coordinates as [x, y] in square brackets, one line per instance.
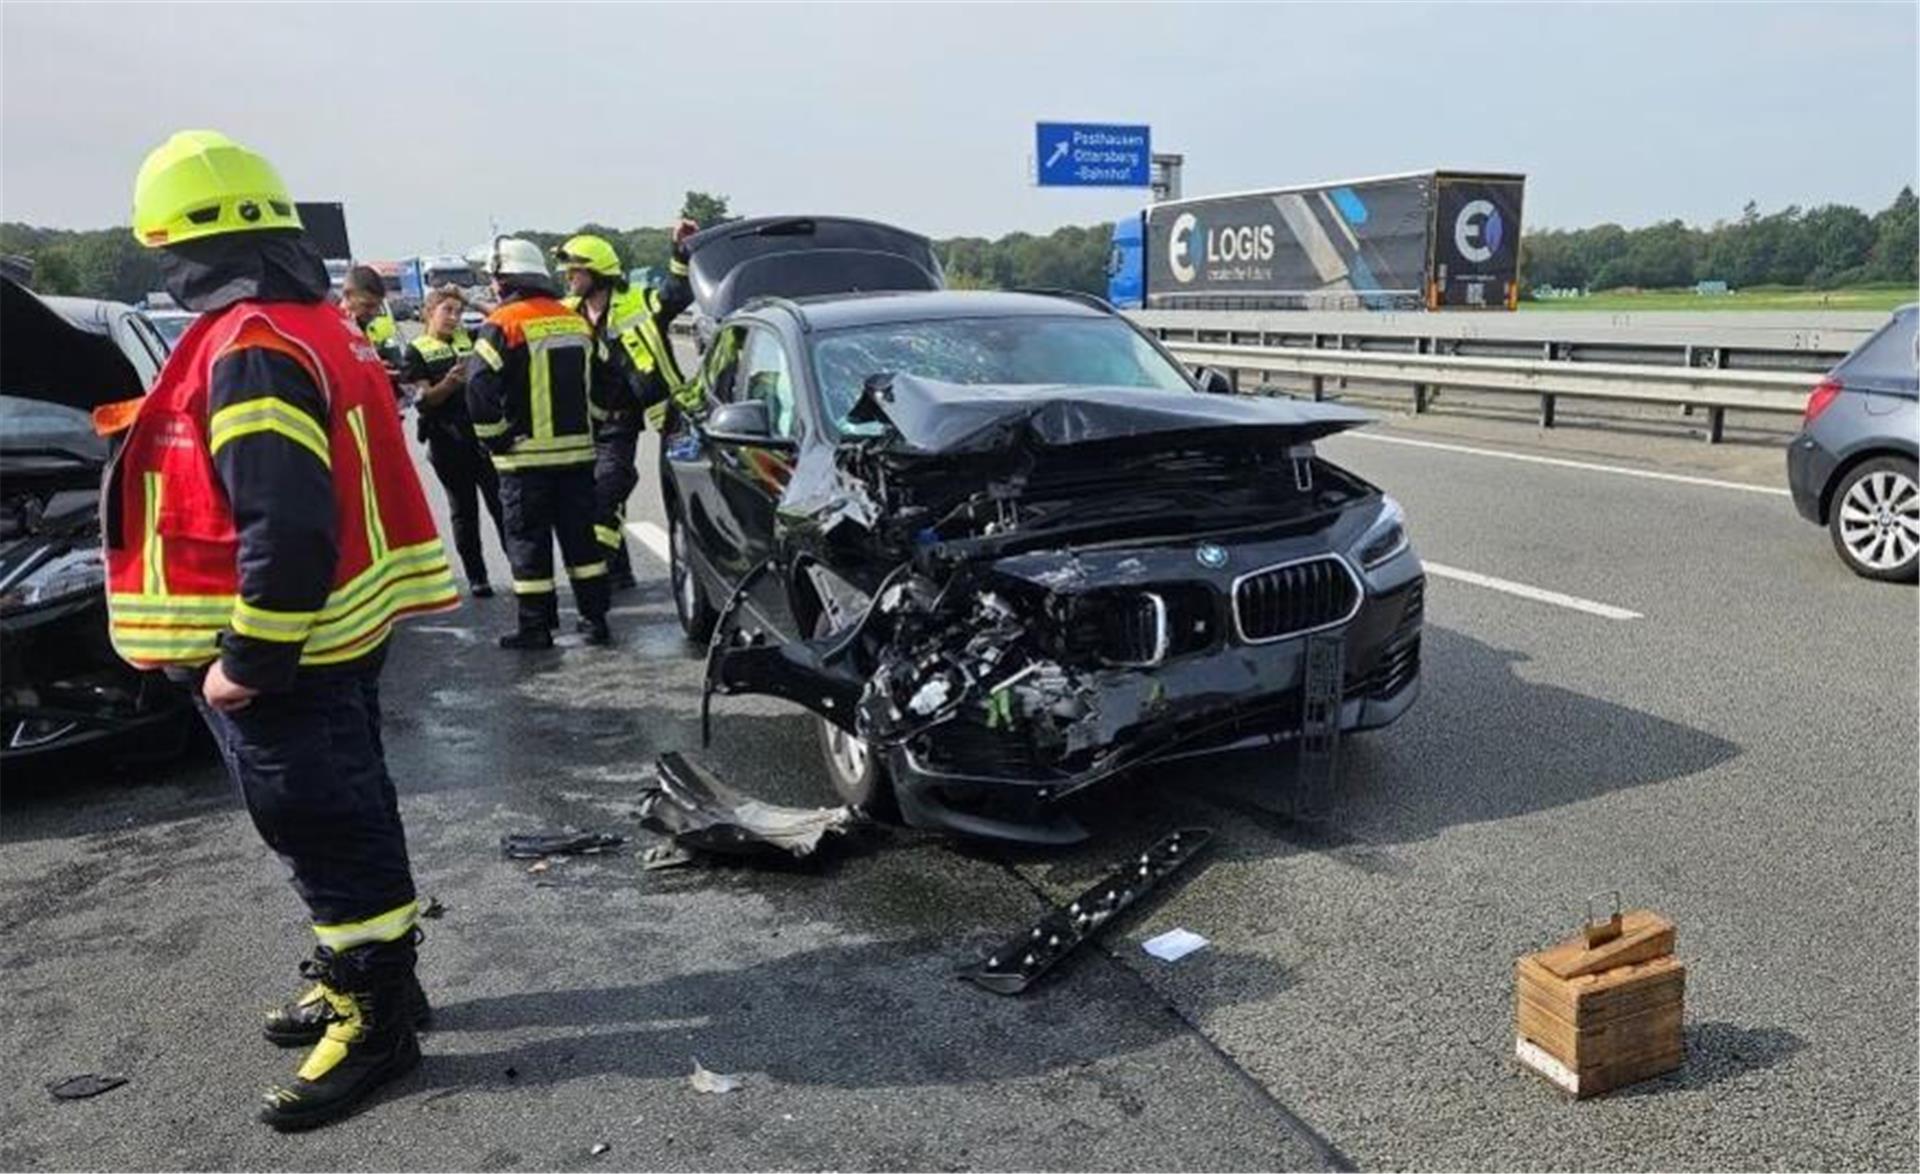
[1875, 520]
[853, 767]
[689, 597]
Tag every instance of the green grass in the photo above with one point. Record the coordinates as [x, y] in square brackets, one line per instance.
[1761, 297]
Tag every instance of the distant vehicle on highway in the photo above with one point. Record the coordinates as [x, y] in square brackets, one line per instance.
[337, 269]
[1852, 466]
[420, 274]
[62, 686]
[1004, 545]
[1434, 240]
[398, 304]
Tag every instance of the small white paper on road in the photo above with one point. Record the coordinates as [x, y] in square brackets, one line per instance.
[705, 1081]
[1174, 945]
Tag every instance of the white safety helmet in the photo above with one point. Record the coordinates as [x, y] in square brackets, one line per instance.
[513, 257]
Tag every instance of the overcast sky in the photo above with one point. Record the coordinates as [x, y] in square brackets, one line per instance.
[430, 120]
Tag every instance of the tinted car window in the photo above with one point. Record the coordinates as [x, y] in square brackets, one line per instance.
[1888, 359]
[1102, 352]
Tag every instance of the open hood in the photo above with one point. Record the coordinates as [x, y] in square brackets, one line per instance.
[926, 417]
[798, 256]
[64, 354]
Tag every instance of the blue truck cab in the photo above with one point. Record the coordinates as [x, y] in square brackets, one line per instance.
[1127, 263]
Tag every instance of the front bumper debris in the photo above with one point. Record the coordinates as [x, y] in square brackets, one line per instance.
[1022, 960]
[687, 803]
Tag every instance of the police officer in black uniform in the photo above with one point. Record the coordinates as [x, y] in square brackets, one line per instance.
[433, 371]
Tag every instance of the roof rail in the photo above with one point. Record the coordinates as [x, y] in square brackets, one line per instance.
[1091, 301]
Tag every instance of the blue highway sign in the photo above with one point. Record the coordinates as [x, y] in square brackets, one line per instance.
[1092, 155]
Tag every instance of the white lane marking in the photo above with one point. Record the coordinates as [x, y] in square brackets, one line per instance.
[653, 538]
[1562, 462]
[1538, 594]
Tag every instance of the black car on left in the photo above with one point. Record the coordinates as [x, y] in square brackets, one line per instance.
[62, 686]
[1003, 544]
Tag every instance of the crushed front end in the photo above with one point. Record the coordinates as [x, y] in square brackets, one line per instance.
[1055, 614]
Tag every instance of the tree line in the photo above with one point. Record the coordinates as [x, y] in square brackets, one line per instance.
[1825, 247]
[1820, 248]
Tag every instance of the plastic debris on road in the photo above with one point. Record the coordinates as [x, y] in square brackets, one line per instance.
[528, 845]
[705, 1081]
[89, 1084]
[1174, 945]
[599, 1147]
[665, 856]
[684, 801]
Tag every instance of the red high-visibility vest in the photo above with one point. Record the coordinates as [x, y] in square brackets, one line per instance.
[172, 578]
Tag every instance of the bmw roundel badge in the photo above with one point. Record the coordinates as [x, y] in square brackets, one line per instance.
[1211, 556]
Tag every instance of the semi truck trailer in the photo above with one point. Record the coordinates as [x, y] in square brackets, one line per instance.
[1435, 240]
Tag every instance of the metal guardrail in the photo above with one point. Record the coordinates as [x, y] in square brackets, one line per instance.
[1716, 391]
[1746, 361]
[1762, 362]
[1811, 340]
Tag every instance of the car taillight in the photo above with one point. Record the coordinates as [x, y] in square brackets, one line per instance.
[1822, 397]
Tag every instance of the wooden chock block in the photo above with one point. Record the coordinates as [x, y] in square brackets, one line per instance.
[1594, 1017]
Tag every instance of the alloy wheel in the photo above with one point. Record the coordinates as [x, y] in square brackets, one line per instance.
[1880, 520]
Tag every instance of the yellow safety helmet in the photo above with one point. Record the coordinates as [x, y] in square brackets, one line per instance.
[200, 183]
[588, 252]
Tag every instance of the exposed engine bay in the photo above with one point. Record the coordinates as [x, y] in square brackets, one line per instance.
[1023, 586]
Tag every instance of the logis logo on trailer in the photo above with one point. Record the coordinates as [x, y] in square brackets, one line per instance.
[1180, 247]
[1246, 242]
[1482, 220]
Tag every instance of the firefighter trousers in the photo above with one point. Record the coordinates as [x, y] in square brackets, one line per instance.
[542, 506]
[311, 768]
[468, 477]
[614, 478]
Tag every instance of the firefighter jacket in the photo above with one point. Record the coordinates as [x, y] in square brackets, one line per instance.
[381, 330]
[641, 359]
[530, 386]
[264, 509]
[630, 379]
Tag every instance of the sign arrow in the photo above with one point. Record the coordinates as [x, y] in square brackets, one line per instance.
[1060, 150]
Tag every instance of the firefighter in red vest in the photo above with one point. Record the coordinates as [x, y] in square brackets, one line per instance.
[264, 530]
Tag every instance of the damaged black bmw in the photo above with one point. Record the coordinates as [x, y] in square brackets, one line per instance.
[1004, 545]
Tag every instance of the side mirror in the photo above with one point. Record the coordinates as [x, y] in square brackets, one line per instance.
[1214, 381]
[744, 422]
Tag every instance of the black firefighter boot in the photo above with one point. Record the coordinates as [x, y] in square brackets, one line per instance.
[368, 1041]
[301, 1022]
[539, 616]
[594, 598]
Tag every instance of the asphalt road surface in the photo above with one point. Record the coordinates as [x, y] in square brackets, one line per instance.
[1664, 684]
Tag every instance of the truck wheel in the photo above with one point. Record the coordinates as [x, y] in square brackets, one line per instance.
[856, 772]
[1875, 520]
[689, 597]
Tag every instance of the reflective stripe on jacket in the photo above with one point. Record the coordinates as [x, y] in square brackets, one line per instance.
[530, 388]
[172, 549]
